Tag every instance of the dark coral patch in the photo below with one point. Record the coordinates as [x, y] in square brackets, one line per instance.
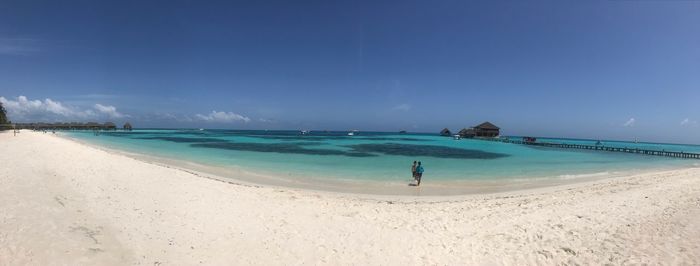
[183, 139]
[425, 150]
[276, 148]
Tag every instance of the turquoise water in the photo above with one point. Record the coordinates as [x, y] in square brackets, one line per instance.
[382, 156]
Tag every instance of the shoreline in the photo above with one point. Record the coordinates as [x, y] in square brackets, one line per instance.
[367, 188]
[65, 203]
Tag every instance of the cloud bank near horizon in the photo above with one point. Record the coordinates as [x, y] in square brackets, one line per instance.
[222, 117]
[22, 109]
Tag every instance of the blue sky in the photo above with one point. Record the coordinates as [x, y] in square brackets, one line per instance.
[587, 69]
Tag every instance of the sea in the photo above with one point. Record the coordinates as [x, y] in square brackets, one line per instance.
[383, 156]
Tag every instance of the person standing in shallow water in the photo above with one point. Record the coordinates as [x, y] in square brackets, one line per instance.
[413, 170]
[419, 173]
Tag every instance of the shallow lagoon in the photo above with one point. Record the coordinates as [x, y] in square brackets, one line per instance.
[379, 156]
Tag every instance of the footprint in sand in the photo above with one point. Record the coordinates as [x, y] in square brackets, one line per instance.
[60, 200]
[87, 232]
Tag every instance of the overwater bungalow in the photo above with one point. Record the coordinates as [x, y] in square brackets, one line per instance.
[109, 126]
[486, 129]
[467, 133]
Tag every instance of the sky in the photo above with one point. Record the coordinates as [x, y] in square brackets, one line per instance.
[583, 69]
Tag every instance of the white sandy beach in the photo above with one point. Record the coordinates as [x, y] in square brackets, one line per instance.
[65, 203]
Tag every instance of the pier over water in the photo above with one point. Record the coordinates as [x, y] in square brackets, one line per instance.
[675, 154]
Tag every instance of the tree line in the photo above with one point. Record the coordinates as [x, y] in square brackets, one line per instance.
[5, 123]
[3, 115]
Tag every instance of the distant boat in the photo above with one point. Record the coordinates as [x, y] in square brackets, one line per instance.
[353, 132]
[402, 132]
[456, 137]
[201, 129]
[305, 132]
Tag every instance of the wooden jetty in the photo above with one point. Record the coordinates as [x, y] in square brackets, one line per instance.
[675, 154]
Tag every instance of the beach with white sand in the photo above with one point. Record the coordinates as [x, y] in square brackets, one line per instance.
[349, 133]
[67, 203]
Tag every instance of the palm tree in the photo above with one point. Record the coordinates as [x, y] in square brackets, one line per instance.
[3, 115]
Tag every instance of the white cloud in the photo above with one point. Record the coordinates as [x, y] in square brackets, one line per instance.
[402, 107]
[25, 110]
[265, 120]
[688, 122]
[215, 116]
[54, 107]
[172, 117]
[629, 123]
[109, 110]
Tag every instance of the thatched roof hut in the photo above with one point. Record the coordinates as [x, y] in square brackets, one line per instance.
[487, 129]
[487, 125]
[92, 125]
[467, 133]
[445, 132]
[127, 126]
[110, 126]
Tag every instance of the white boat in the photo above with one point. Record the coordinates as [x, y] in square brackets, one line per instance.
[456, 137]
[305, 132]
[353, 132]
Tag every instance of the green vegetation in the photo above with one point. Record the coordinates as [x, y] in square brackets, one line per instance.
[3, 115]
[4, 123]
[67, 126]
